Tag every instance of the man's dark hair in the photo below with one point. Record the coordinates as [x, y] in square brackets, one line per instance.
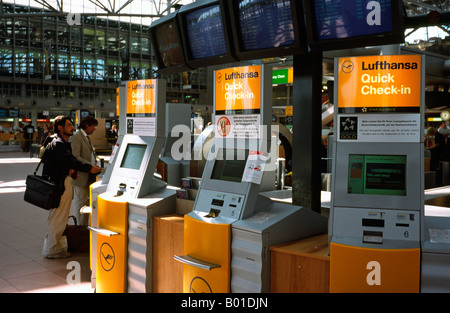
[60, 120]
[88, 121]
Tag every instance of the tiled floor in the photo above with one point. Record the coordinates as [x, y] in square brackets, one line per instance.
[22, 231]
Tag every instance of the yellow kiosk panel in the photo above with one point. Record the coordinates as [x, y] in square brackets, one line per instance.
[208, 242]
[111, 249]
[358, 269]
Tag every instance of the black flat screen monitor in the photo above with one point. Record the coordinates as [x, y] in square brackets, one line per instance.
[13, 112]
[133, 156]
[343, 24]
[377, 175]
[267, 28]
[3, 113]
[165, 34]
[205, 33]
[230, 166]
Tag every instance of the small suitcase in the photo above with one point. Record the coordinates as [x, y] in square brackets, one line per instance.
[78, 238]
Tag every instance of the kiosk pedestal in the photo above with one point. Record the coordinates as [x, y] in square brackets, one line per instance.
[356, 269]
[111, 246]
[207, 256]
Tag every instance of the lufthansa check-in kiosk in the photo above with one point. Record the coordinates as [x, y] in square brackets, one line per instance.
[228, 234]
[378, 175]
[133, 195]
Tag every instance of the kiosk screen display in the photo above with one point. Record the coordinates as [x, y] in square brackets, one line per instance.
[377, 174]
[231, 167]
[266, 24]
[206, 32]
[133, 156]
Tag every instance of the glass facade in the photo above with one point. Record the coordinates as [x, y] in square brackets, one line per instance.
[43, 57]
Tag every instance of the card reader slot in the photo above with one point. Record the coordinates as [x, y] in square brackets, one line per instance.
[370, 222]
[217, 202]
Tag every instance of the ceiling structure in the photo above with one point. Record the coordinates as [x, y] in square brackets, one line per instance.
[154, 9]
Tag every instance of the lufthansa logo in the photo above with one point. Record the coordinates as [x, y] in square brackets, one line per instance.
[199, 285]
[219, 78]
[107, 257]
[347, 66]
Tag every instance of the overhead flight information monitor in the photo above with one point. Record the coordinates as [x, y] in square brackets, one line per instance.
[267, 24]
[205, 33]
[267, 28]
[166, 39]
[343, 24]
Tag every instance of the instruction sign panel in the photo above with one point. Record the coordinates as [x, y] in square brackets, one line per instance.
[141, 107]
[254, 168]
[238, 126]
[379, 128]
[379, 84]
[238, 102]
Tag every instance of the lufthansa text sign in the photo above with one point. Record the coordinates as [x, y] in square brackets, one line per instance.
[238, 89]
[379, 84]
[141, 95]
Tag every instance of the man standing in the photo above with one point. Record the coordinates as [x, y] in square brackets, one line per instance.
[60, 165]
[28, 133]
[83, 150]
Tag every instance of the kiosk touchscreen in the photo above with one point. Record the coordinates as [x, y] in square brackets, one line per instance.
[228, 233]
[378, 175]
[133, 195]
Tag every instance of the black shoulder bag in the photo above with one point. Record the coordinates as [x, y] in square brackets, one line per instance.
[41, 191]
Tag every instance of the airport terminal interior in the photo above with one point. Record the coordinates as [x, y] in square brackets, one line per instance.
[246, 146]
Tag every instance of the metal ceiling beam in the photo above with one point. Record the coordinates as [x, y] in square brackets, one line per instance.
[107, 6]
[417, 11]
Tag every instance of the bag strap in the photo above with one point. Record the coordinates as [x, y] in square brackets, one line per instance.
[43, 155]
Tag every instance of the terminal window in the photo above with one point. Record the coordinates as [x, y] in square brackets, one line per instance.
[377, 174]
[133, 156]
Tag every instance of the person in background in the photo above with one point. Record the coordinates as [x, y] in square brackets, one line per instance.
[113, 134]
[45, 133]
[83, 150]
[61, 166]
[436, 149]
[28, 133]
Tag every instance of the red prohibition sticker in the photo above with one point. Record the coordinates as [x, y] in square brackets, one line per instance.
[223, 126]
